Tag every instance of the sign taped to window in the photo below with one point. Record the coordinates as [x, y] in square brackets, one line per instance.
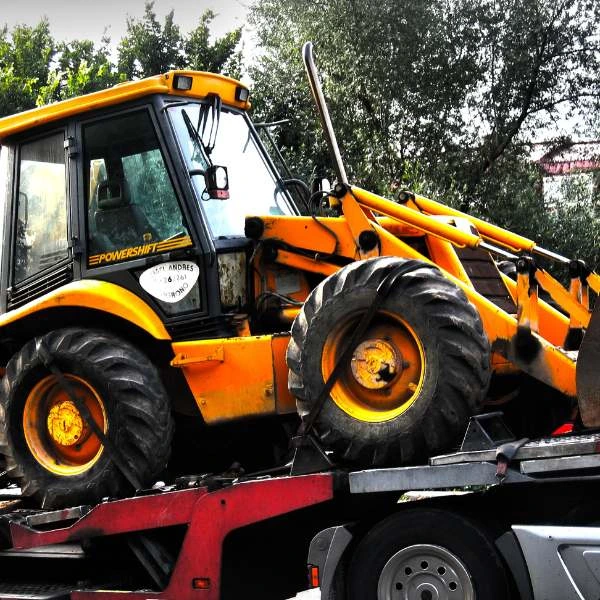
[170, 281]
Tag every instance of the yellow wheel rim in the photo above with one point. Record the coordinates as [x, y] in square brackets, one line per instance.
[56, 433]
[385, 375]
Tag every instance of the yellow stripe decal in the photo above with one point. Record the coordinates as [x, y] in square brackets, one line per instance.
[138, 251]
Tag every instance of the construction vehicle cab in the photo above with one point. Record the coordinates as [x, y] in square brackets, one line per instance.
[154, 261]
[121, 220]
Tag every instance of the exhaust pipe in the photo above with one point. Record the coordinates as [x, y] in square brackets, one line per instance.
[317, 92]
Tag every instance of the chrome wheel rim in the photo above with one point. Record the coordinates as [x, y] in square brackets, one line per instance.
[425, 572]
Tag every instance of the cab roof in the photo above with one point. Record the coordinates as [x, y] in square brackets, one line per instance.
[202, 85]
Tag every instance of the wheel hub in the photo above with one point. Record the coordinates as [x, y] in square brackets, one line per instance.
[65, 425]
[56, 433]
[375, 363]
[425, 572]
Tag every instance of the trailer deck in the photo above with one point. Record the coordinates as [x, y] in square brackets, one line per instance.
[200, 511]
[207, 516]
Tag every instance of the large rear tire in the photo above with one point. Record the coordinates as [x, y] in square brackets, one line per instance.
[48, 446]
[419, 554]
[421, 370]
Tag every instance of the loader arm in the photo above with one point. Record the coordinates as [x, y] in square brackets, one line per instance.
[540, 358]
[535, 337]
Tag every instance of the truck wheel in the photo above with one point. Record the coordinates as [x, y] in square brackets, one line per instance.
[48, 446]
[426, 555]
[421, 370]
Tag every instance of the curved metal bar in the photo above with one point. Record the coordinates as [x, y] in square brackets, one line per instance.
[317, 92]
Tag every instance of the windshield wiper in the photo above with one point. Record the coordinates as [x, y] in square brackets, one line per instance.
[214, 108]
[199, 150]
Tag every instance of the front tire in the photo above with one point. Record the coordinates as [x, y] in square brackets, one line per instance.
[421, 370]
[47, 445]
[426, 553]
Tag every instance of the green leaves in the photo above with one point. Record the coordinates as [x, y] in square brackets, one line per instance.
[25, 57]
[442, 97]
[35, 69]
[81, 68]
[394, 73]
[218, 57]
[149, 48]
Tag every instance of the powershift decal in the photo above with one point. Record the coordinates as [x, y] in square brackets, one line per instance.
[138, 251]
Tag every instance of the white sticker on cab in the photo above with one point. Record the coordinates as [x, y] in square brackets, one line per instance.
[170, 281]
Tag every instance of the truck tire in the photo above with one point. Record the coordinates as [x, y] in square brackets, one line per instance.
[425, 554]
[50, 450]
[420, 372]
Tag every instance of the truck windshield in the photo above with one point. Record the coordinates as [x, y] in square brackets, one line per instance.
[253, 187]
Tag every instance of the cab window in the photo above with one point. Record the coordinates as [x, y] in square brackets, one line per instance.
[132, 208]
[41, 230]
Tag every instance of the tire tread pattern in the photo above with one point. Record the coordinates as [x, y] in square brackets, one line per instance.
[461, 342]
[139, 414]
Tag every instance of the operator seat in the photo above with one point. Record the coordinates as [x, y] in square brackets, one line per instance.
[119, 223]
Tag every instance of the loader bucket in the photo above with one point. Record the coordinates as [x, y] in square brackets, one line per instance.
[588, 372]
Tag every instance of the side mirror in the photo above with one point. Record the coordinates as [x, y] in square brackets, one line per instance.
[325, 185]
[216, 182]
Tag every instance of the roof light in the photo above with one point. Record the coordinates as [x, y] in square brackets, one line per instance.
[242, 94]
[182, 82]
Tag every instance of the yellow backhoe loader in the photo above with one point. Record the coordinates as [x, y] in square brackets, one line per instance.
[154, 262]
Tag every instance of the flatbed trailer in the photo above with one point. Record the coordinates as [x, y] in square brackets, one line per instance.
[516, 520]
[500, 519]
[166, 544]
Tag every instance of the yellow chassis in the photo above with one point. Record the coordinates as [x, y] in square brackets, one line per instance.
[247, 375]
[308, 246]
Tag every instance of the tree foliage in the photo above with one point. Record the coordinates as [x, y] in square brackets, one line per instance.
[220, 56]
[440, 96]
[80, 68]
[396, 75]
[35, 69]
[149, 47]
[25, 57]
[540, 60]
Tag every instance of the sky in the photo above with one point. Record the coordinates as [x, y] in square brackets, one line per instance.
[88, 19]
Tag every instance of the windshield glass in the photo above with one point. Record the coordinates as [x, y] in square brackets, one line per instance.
[253, 188]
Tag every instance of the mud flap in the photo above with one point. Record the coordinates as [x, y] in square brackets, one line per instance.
[588, 372]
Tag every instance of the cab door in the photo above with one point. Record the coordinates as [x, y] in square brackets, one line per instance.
[137, 232]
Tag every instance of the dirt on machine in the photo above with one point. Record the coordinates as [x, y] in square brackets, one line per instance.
[159, 267]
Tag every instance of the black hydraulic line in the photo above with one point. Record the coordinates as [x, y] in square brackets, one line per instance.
[50, 364]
